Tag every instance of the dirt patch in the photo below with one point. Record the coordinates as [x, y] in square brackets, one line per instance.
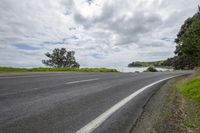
[167, 112]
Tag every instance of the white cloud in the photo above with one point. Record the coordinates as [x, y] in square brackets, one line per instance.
[102, 32]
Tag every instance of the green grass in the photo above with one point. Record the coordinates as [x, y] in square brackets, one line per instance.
[187, 102]
[190, 91]
[191, 88]
[12, 69]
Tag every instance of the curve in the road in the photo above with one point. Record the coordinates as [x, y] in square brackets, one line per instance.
[100, 119]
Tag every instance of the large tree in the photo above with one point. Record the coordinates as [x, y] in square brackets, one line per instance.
[188, 38]
[61, 58]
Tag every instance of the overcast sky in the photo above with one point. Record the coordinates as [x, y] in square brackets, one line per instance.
[103, 33]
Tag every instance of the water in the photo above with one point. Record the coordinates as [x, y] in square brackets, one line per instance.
[139, 69]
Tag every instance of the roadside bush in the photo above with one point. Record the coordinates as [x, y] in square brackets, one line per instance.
[151, 69]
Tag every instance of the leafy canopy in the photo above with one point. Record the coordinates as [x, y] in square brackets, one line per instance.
[61, 58]
[188, 38]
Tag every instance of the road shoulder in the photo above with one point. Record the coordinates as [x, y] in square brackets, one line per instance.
[168, 112]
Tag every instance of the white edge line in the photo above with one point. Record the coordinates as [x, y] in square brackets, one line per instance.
[91, 126]
[80, 81]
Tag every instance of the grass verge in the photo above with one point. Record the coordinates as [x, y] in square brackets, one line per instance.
[12, 69]
[181, 110]
[189, 89]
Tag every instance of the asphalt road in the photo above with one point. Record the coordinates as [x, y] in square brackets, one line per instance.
[67, 102]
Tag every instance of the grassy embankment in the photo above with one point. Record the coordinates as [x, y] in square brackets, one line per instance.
[12, 69]
[180, 113]
[189, 90]
[175, 108]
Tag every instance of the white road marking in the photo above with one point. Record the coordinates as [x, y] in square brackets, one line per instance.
[91, 126]
[80, 81]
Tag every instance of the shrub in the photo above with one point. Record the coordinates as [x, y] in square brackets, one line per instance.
[151, 69]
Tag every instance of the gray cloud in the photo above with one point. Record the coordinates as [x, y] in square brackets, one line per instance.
[98, 30]
[125, 27]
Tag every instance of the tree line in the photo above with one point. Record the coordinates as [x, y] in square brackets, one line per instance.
[187, 53]
[146, 64]
[188, 45]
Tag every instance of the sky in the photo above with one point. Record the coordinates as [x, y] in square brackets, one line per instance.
[103, 33]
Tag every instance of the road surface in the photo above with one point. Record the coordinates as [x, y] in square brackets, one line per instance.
[75, 102]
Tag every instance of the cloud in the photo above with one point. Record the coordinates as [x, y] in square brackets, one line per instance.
[100, 31]
[25, 47]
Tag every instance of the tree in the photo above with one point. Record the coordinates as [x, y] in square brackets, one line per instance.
[179, 39]
[61, 58]
[188, 38]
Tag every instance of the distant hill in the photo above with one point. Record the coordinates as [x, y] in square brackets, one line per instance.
[146, 64]
[176, 62]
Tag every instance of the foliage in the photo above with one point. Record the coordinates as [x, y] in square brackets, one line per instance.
[188, 45]
[135, 64]
[61, 58]
[188, 38]
[151, 69]
[66, 69]
[181, 62]
[197, 69]
[187, 49]
[146, 64]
